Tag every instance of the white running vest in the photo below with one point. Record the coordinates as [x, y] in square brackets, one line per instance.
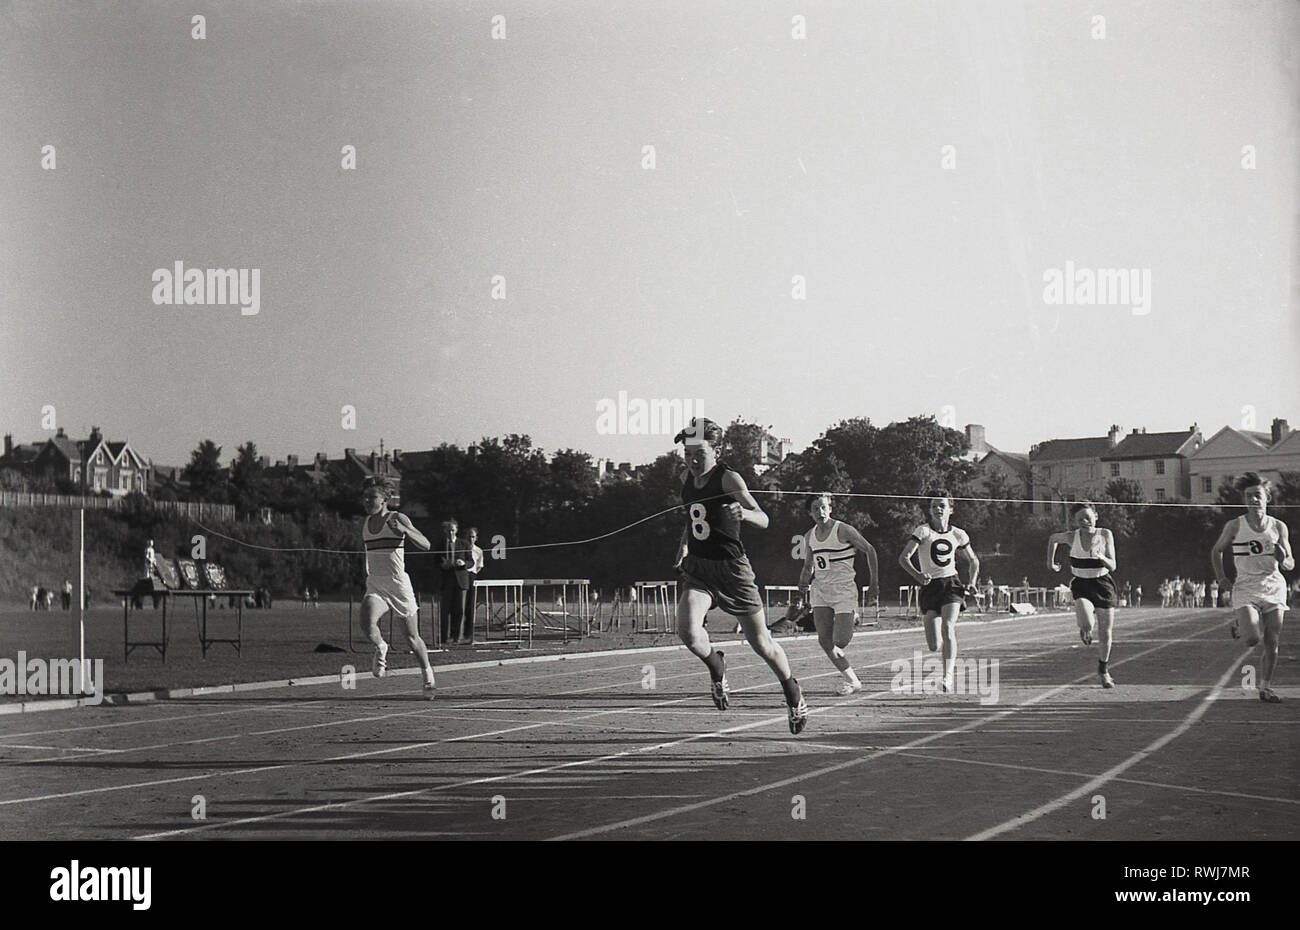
[832, 558]
[938, 551]
[1253, 551]
[1086, 563]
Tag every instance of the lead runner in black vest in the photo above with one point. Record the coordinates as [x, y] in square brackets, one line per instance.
[713, 569]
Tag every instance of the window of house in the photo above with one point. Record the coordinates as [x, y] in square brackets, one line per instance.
[1160, 466]
[1160, 494]
[1114, 469]
[1207, 484]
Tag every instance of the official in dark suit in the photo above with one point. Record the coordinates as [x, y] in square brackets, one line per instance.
[455, 579]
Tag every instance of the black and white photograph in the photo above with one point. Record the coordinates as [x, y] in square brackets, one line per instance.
[702, 422]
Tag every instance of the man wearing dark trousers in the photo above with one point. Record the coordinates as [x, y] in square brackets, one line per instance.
[455, 579]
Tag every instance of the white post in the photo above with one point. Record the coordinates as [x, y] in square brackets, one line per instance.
[81, 607]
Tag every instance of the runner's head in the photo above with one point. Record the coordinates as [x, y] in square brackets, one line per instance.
[1085, 515]
[939, 509]
[376, 491]
[1255, 491]
[701, 440]
[819, 507]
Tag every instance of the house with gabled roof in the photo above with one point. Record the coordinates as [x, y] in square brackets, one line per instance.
[1011, 469]
[93, 464]
[1231, 452]
[1158, 462]
[1063, 470]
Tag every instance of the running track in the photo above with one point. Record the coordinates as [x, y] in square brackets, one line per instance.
[579, 748]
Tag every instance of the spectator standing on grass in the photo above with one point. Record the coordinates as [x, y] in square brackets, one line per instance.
[1214, 593]
[67, 594]
[36, 590]
[475, 566]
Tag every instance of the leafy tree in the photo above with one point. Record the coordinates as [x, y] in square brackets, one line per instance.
[204, 475]
[248, 483]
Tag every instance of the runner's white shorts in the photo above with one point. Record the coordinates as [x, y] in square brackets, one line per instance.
[841, 598]
[1263, 592]
[396, 593]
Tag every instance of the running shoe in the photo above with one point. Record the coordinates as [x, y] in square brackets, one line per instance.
[946, 685]
[798, 716]
[1268, 696]
[847, 687]
[1106, 680]
[719, 691]
[429, 692]
[379, 665]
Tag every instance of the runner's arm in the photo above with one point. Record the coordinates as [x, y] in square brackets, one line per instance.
[1220, 546]
[905, 560]
[750, 512]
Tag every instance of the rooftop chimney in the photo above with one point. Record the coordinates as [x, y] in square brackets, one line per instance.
[1280, 430]
[975, 438]
[9, 443]
[321, 461]
[1113, 435]
[292, 460]
[59, 434]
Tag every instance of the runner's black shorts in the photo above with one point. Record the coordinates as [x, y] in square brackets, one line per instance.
[730, 582]
[1101, 591]
[940, 591]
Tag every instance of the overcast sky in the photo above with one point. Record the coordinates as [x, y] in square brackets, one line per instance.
[523, 157]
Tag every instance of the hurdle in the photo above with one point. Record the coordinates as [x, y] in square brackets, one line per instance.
[863, 605]
[789, 589]
[909, 599]
[655, 604]
[569, 588]
[503, 603]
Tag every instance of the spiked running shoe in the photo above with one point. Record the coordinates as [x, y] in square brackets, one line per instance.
[379, 665]
[798, 716]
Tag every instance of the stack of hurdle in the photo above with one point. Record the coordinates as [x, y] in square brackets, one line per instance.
[563, 607]
[655, 606]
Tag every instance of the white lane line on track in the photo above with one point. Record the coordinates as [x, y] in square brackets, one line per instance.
[413, 747]
[338, 805]
[85, 749]
[825, 770]
[512, 776]
[1093, 784]
[424, 707]
[1022, 623]
[1127, 781]
[424, 710]
[283, 704]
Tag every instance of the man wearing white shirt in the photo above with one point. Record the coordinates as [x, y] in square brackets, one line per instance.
[476, 566]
